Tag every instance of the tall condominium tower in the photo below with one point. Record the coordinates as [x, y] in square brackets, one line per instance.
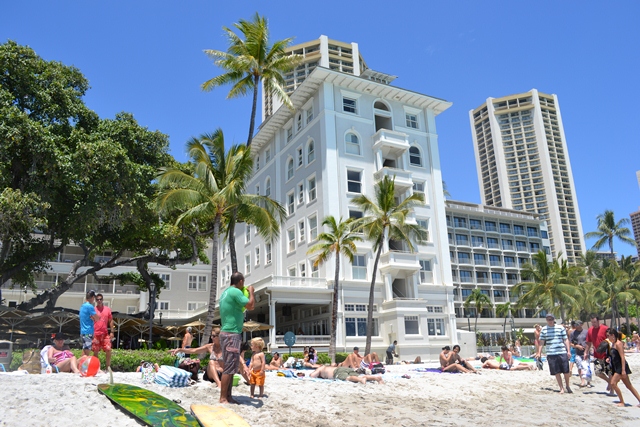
[523, 164]
[635, 225]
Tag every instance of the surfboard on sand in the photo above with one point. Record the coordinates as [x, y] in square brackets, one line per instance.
[217, 416]
[147, 406]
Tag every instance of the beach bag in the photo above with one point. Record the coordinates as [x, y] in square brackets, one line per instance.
[148, 373]
[378, 368]
[191, 366]
[170, 376]
[31, 362]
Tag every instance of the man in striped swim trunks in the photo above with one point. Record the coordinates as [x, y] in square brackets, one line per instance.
[558, 351]
[232, 301]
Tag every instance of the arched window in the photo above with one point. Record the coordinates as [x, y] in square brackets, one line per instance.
[289, 169]
[267, 187]
[352, 143]
[379, 105]
[415, 158]
[311, 151]
[299, 122]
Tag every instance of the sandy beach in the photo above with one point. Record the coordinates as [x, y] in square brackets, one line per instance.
[426, 399]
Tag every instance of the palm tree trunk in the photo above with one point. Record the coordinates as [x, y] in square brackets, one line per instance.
[213, 292]
[626, 315]
[367, 348]
[334, 312]
[256, 80]
[231, 238]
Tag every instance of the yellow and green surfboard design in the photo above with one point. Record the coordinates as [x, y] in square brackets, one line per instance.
[147, 406]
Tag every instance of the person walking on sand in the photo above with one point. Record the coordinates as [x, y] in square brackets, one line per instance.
[578, 341]
[558, 351]
[188, 338]
[620, 367]
[232, 301]
[102, 336]
[391, 351]
[596, 334]
[88, 316]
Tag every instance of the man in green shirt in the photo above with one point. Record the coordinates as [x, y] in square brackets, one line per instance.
[232, 303]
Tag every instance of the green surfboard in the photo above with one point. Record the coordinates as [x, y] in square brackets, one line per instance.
[147, 406]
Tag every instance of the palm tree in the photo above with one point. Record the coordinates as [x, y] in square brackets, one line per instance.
[338, 240]
[608, 289]
[551, 285]
[384, 218]
[504, 310]
[630, 286]
[479, 301]
[608, 228]
[212, 193]
[248, 61]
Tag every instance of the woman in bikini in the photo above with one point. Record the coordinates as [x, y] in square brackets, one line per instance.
[63, 360]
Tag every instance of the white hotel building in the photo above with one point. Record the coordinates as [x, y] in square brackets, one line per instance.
[523, 164]
[347, 131]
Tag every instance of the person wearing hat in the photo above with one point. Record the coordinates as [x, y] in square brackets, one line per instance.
[88, 315]
[60, 358]
[558, 351]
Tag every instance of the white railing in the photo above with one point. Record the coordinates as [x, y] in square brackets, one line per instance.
[398, 175]
[289, 281]
[302, 340]
[389, 137]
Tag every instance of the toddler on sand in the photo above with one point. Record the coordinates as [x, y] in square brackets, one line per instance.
[257, 366]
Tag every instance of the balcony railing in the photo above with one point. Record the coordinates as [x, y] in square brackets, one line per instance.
[390, 140]
[402, 178]
[292, 281]
[400, 260]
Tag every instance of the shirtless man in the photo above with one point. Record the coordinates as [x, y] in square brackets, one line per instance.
[353, 360]
[276, 362]
[447, 364]
[343, 374]
[455, 357]
[510, 364]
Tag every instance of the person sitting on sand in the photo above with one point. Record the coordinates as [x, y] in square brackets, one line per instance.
[343, 374]
[156, 367]
[455, 357]
[213, 372]
[63, 360]
[353, 360]
[276, 362]
[511, 364]
[311, 359]
[447, 363]
[369, 360]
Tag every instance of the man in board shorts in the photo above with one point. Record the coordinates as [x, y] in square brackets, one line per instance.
[558, 351]
[232, 301]
[88, 316]
[596, 334]
[102, 337]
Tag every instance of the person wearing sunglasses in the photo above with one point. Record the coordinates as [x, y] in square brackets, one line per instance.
[213, 372]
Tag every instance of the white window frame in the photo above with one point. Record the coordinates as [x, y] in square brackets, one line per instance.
[197, 282]
[257, 255]
[300, 188]
[299, 122]
[289, 134]
[311, 151]
[312, 189]
[290, 168]
[162, 305]
[247, 234]
[411, 319]
[348, 104]
[291, 240]
[291, 203]
[301, 231]
[132, 309]
[423, 271]
[357, 270]
[349, 143]
[309, 114]
[360, 173]
[411, 120]
[420, 157]
[267, 253]
[167, 280]
[299, 157]
[302, 268]
[257, 162]
[247, 264]
[315, 269]
[292, 271]
[195, 305]
[434, 323]
[257, 189]
[267, 155]
[313, 231]
[267, 187]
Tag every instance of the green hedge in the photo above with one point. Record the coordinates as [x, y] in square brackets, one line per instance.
[129, 360]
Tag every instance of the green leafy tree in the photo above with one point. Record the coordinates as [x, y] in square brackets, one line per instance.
[549, 285]
[608, 229]
[338, 240]
[384, 218]
[504, 310]
[249, 59]
[479, 301]
[213, 192]
[630, 287]
[608, 289]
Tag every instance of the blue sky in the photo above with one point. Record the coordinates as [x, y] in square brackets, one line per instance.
[145, 57]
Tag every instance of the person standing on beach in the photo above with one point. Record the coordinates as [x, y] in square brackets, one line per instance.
[620, 367]
[596, 334]
[232, 301]
[578, 341]
[558, 351]
[391, 351]
[88, 316]
[188, 338]
[102, 337]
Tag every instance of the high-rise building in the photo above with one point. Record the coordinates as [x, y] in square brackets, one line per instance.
[347, 131]
[323, 52]
[638, 176]
[635, 225]
[523, 164]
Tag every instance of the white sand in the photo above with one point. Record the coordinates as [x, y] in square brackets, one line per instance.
[524, 398]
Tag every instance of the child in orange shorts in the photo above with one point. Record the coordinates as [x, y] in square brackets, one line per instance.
[257, 366]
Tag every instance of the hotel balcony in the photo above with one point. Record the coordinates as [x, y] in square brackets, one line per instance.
[402, 178]
[390, 142]
[395, 261]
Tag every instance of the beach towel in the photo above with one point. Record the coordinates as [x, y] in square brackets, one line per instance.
[170, 376]
[433, 370]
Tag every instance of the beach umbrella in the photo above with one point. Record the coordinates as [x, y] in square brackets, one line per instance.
[251, 326]
[17, 332]
[176, 339]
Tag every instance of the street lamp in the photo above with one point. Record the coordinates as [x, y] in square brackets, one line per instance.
[152, 306]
